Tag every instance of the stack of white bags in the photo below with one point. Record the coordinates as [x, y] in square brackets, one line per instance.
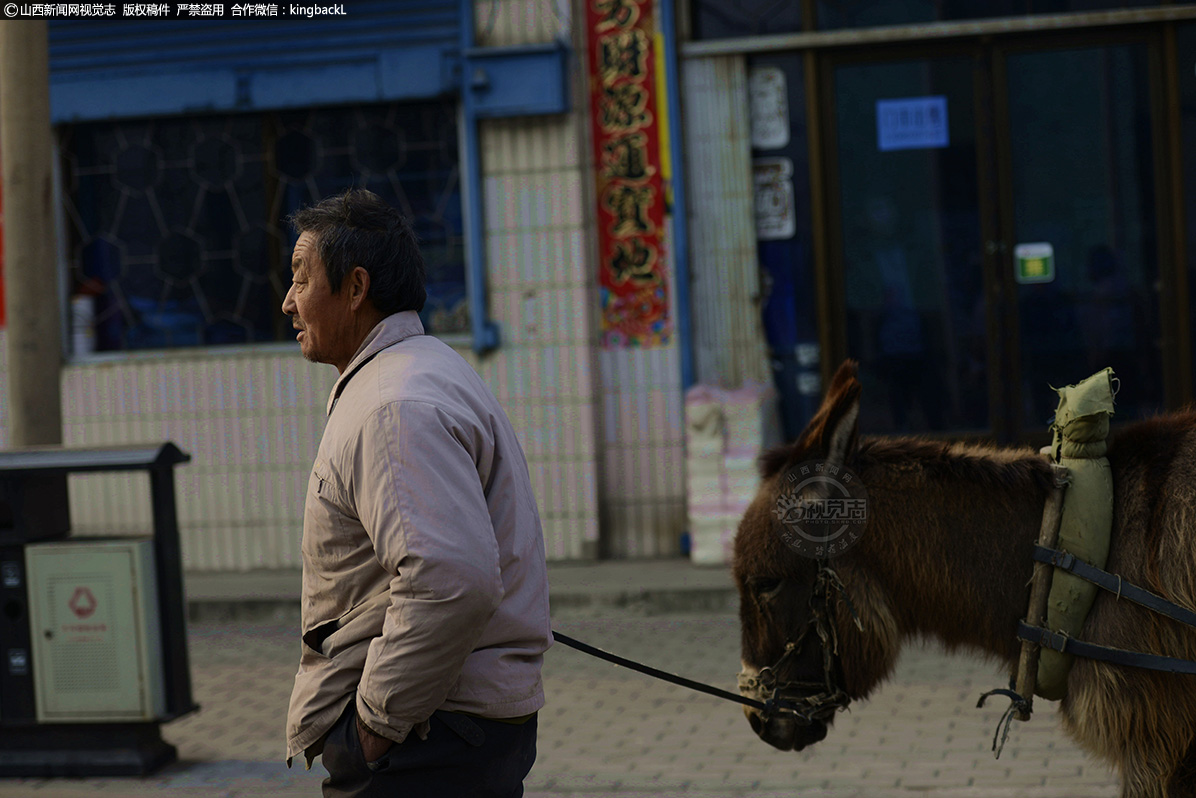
[725, 431]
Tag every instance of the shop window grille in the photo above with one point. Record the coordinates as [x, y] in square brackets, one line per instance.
[176, 226]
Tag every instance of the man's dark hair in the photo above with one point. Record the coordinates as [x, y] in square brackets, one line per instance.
[357, 228]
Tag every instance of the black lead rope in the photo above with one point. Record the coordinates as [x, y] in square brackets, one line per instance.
[807, 709]
[767, 707]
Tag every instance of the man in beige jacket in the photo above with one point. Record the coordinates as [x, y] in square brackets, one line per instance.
[425, 593]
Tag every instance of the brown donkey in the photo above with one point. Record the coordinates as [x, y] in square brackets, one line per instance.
[945, 553]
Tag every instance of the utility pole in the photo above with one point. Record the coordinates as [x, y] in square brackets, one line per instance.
[30, 267]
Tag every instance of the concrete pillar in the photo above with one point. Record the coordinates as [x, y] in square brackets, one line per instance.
[30, 269]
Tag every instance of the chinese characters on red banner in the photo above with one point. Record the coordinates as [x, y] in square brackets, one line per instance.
[626, 127]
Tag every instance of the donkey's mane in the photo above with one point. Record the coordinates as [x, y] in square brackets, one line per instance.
[983, 465]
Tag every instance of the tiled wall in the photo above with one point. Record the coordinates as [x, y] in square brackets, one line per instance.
[251, 423]
[729, 344]
[542, 297]
[642, 430]
[543, 291]
[644, 436]
[603, 431]
[502, 23]
[252, 420]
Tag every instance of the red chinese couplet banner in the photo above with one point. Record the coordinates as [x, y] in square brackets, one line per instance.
[623, 112]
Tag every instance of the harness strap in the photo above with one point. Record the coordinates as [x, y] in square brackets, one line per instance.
[1117, 656]
[1114, 584]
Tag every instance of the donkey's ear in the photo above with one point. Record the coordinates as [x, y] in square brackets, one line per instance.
[843, 393]
[842, 381]
[840, 431]
[844, 375]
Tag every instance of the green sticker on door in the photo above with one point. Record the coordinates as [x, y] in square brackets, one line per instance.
[1035, 263]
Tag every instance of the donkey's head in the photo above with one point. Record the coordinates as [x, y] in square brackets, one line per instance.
[789, 596]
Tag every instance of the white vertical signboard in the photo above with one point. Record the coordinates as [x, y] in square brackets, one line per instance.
[775, 215]
[769, 103]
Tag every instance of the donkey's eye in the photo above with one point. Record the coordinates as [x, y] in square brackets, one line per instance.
[765, 586]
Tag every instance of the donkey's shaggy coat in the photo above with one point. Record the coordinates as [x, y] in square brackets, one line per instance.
[946, 554]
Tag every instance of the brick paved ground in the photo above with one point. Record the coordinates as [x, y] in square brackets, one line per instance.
[609, 732]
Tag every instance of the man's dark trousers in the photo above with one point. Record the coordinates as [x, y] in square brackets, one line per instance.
[463, 757]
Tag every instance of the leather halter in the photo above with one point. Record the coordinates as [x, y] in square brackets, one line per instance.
[790, 697]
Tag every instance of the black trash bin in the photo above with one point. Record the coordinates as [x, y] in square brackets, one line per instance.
[93, 636]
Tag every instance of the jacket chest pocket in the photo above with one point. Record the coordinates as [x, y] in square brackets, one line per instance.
[327, 532]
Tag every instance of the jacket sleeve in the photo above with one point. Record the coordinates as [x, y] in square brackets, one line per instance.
[421, 500]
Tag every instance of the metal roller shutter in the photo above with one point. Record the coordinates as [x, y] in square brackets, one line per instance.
[379, 51]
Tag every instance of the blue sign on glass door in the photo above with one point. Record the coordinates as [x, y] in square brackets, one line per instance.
[912, 123]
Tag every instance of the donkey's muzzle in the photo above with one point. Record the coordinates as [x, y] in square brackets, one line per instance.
[783, 731]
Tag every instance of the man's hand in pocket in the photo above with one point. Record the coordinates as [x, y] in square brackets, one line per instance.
[373, 746]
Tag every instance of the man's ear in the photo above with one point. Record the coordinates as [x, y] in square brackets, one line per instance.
[358, 283]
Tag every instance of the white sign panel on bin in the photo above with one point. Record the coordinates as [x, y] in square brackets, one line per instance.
[912, 123]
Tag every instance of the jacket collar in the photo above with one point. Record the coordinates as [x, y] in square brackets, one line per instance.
[388, 332]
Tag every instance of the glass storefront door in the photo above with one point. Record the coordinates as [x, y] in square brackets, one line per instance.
[993, 232]
[1079, 167]
[910, 242]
